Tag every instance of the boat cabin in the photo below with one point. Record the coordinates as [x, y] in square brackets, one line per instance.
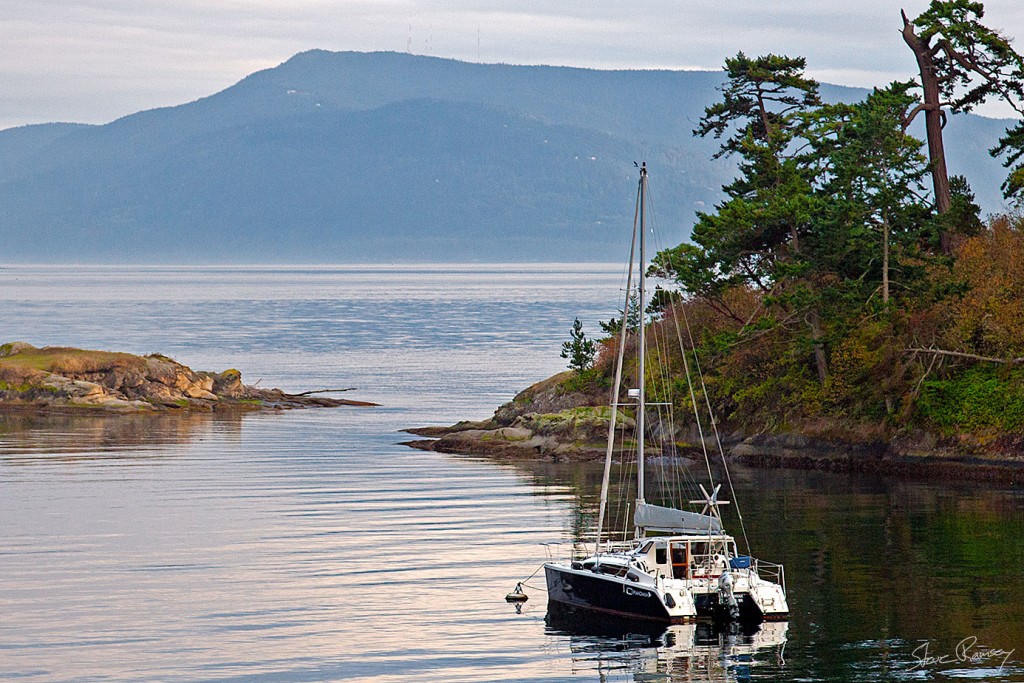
[687, 557]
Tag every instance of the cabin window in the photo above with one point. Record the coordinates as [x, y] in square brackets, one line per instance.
[661, 555]
[646, 549]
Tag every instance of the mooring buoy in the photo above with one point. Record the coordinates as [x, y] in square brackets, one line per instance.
[517, 595]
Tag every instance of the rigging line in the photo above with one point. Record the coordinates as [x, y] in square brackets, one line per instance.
[617, 384]
[626, 456]
[663, 355]
[664, 416]
[660, 413]
[662, 480]
[673, 460]
[693, 399]
[641, 343]
[536, 588]
[625, 473]
[655, 230]
[625, 477]
[677, 475]
[535, 571]
[685, 481]
[718, 439]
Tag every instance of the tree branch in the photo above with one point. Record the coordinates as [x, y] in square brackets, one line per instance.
[719, 306]
[743, 339]
[927, 372]
[966, 61]
[909, 118]
[323, 391]
[969, 356]
[992, 79]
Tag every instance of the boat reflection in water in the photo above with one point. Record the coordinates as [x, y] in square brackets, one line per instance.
[702, 651]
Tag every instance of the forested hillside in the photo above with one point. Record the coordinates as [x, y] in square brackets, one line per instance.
[847, 285]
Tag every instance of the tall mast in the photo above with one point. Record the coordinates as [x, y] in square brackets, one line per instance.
[641, 346]
[623, 332]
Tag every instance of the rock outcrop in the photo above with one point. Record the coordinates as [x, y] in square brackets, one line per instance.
[552, 421]
[65, 378]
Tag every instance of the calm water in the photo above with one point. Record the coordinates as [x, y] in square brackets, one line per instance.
[309, 546]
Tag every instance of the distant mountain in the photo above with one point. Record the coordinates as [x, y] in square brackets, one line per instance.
[342, 157]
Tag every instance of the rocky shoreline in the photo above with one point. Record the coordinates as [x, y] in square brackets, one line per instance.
[545, 422]
[59, 379]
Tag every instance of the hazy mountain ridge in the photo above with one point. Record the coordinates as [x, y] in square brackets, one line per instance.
[378, 156]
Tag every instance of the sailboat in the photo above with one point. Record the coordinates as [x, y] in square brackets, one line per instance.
[681, 565]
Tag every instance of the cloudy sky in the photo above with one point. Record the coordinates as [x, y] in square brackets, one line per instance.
[95, 60]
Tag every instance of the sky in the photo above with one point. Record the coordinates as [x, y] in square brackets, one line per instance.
[92, 61]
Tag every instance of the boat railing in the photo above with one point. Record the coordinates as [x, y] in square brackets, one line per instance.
[562, 551]
[581, 552]
[771, 571]
[617, 546]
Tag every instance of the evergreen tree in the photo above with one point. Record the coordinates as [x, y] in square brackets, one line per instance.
[963, 63]
[755, 238]
[869, 185]
[579, 350]
[614, 326]
[757, 231]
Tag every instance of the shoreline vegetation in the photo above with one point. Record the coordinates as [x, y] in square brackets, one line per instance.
[553, 420]
[61, 379]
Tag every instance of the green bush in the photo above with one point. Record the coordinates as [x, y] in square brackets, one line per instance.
[981, 399]
[586, 381]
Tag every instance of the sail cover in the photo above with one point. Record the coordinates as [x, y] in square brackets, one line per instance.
[674, 521]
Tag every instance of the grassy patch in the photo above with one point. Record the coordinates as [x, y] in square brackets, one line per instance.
[65, 361]
[585, 381]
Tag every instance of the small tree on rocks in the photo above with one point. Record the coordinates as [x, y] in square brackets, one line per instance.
[579, 350]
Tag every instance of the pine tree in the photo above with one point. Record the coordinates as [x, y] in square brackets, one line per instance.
[962, 64]
[579, 350]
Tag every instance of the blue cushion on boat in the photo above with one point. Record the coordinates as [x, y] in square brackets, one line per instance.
[740, 562]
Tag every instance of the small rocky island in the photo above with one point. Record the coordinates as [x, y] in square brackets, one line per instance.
[60, 379]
